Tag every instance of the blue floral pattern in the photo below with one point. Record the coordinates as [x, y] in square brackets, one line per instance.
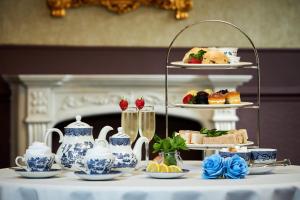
[99, 166]
[124, 160]
[119, 141]
[72, 154]
[263, 155]
[40, 163]
[78, 131]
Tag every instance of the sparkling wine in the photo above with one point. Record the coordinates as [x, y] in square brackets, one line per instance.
[129, 122]
[147, 124]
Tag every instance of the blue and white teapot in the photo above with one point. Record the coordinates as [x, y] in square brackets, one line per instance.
[77, 140]
[126, 159]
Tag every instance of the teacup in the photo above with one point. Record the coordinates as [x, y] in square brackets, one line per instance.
[229, 51]
[38, 158]
[98, 160]
[245, 154]
[262, 155]
[234, 59]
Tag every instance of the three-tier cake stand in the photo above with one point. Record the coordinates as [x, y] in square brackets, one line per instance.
[241, 65]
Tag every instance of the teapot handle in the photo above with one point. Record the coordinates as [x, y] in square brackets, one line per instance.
[55, 130]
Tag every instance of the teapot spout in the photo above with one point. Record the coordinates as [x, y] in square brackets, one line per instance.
[137, 150]
[104, 131]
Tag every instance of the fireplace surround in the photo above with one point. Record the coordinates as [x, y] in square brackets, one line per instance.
[40, 102]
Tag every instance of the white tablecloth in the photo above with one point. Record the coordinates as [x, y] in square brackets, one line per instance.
[283, 183]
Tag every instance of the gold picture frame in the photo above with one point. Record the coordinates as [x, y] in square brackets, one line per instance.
[181, 7]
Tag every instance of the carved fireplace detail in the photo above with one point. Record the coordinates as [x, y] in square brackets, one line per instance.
[40, 102]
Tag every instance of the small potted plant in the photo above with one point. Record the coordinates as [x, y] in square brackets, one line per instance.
[168, 149]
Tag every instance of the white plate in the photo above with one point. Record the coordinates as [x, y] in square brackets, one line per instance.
[215, 146]
[98, 177]
[46, 174]
[261, 170]
[162, 175]
[210, 66]
[209, 106]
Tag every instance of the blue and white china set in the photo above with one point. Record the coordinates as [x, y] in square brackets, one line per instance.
[80, 152]
[99, 159]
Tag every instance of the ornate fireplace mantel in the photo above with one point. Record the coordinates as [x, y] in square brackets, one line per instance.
[41, 101]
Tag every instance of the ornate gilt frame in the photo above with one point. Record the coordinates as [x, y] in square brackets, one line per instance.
[181, 7]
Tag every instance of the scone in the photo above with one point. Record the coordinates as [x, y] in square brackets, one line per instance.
[215, 57]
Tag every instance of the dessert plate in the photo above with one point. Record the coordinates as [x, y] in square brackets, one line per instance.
[45, 174]
[210, 66]
[209, 106]
[162, 175]
[215, 146]
[98, 177]
[260, 170]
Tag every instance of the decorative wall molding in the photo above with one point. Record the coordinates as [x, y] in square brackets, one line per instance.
[181, 7]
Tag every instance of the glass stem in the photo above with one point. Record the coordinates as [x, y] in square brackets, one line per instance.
[147, 151]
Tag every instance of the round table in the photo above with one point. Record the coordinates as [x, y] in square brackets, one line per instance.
[283, 183]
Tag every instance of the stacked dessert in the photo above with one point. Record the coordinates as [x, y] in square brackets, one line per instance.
[207, 96]
[206, 136]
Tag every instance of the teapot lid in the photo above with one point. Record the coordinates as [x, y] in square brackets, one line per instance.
[120, 134]
[78, 123]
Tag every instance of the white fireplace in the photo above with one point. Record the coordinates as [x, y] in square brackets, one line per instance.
[41, 101]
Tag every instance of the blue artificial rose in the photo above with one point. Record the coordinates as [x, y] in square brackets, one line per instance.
[213, 167]
[235, 167]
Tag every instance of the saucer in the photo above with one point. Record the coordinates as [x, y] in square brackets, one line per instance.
[167, 175]
[260, 170]
[98, 177]
[35, 174]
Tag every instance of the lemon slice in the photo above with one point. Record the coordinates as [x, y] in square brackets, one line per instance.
[174, 168]
[163, 168]
[152, 167]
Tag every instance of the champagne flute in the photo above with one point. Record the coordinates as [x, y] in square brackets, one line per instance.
[129, 122]
[147, 125]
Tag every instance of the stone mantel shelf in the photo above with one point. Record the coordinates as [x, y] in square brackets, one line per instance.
[127, 80]
[41, 101]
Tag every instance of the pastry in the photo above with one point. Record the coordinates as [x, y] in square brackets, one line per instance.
[186, 135]
[214, 136]
[201, 98]
[222, 91]
[215, 57]
[233, 98]
[216, 98]
[194, 51]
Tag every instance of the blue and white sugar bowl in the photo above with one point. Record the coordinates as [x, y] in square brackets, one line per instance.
[99, 159]
[78, 139]
[38, 158]
[126, 158]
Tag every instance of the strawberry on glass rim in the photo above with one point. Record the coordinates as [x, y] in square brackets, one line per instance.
[123, 104]
[140, 103]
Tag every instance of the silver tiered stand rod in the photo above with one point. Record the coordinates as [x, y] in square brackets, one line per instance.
[257, 64]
